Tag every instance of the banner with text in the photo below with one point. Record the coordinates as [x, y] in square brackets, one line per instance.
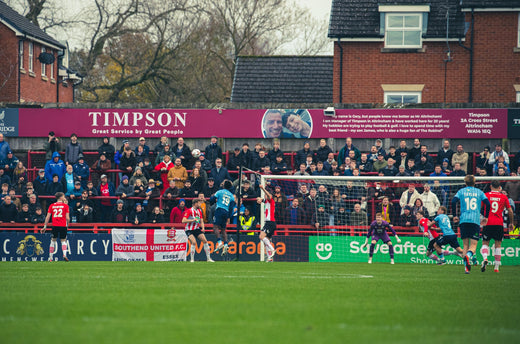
[258, 123]
[16, 246]
[410, 250]
[149, 245]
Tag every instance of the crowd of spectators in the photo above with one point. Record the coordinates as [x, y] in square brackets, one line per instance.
[131, 195]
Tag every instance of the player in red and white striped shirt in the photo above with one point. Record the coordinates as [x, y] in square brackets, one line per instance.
[270, 225]
[60, 220]
[195, 229]
[494, 228]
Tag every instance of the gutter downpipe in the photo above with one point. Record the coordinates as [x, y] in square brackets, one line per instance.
[340, 71]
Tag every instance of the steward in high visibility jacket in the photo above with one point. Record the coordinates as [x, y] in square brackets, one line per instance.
[247, 221]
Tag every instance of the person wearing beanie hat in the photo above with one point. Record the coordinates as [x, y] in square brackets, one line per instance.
[82, 170]
[107, 149]
[125, 190]
[213, 151]
[138, 215]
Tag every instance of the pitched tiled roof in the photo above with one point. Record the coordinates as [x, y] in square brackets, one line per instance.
[490, 4]
[283, 79]
[22, 24]
[361, 18]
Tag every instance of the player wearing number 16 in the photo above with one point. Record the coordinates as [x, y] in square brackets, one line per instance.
[60, 221]
[471, 200]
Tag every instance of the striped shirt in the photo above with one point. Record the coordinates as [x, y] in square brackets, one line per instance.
[191, 214]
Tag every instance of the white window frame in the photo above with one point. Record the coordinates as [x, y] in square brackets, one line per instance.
[399, 93]
[415, 29]
[44, 67]
[52, 69]
[31, 55]
[20, 54]
[518, 97]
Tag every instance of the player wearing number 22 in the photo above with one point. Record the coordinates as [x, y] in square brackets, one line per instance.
[60, 221]
[195, 229]
[495, 225]
[471, 200]
[378, 230]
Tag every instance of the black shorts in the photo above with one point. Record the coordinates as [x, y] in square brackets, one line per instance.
[269, 228]
[221, 218]
[469, 230]
[493, 232]
[448, 240]
[432, 242]
[195, 233]
[59, 232]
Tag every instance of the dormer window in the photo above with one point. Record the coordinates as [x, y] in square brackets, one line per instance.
[403, 26]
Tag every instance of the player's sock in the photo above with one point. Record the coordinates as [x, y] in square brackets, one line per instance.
[51, 250]
[192, 252]
[206, 249]
[441, 256]
[371, 252]
[391, 251]
[498, 257]
[485, 252]
[433, 257]
[64, 248]
[267, 244]
[448, 253]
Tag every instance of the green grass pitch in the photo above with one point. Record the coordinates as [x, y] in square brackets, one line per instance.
[240, 302]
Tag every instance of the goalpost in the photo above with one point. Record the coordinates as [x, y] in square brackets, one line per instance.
[337, 218]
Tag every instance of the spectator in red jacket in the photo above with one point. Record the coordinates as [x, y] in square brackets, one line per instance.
[178, 211]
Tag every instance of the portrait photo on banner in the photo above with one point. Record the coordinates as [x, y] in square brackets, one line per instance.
[286, 123]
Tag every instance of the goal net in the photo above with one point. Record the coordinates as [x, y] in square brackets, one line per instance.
[326, 219]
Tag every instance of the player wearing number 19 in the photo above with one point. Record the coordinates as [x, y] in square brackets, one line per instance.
[60, 220]
[195, 229]
[495, 225]
[224, 211]
[471, 200]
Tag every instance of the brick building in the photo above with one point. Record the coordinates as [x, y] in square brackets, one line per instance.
[418, 51]
[23, 77]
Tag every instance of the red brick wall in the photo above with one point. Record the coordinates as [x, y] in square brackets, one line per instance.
[496, 66]
[8, 65]
[33, 87]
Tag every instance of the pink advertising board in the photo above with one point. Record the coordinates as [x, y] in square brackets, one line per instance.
[258, 123]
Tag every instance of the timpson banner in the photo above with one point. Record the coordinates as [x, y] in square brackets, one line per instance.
[263, 123]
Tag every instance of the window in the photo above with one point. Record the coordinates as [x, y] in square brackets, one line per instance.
[44, 69]
[52, 71]
[20, 54]
[31, 53]
[403, 30]
[402, 97]
[518, 97]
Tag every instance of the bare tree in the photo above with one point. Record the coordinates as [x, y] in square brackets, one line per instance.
[253, 27]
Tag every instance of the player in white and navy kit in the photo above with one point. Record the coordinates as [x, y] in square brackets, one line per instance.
[224, 211]
[471, 200]
[269, 227]
[195, 229]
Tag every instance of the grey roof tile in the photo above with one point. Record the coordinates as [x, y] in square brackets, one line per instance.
[283, 79]
[360, 18]
[23, 25]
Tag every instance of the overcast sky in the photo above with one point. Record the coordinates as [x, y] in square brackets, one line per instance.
[320, 8]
